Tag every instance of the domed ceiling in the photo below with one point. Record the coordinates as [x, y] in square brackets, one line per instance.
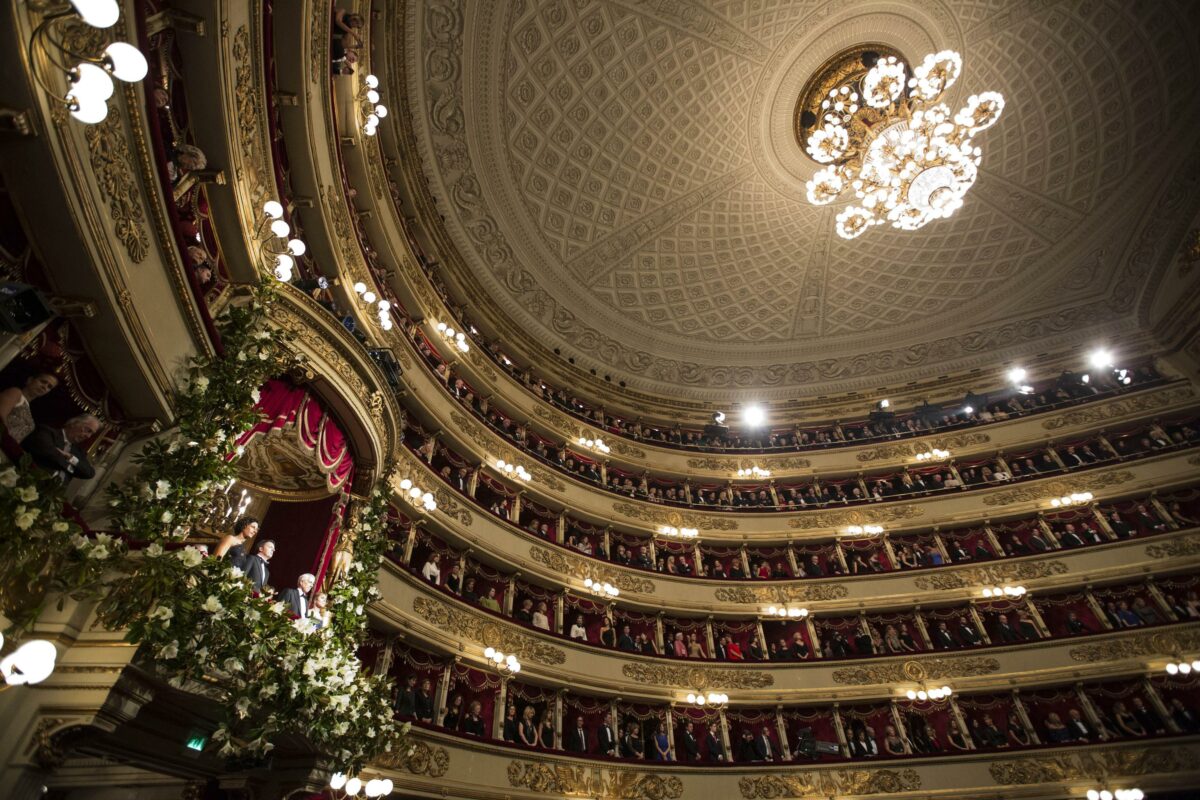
[621, 180]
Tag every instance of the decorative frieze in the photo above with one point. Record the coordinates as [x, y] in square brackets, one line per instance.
[732, 465]
[600, 782]
[417, 757]
[1177, 548]
[569, 565]
[697, 678]
[793, 593]
[916, 671]
[486, 632]
[678, 519]
[829, 783]
[903, 450]
[1125, 407]
[1149, 643]
[1093, 765]
[990, 575]
[839, 519]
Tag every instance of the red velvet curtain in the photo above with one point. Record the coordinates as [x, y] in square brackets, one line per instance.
[303, 534]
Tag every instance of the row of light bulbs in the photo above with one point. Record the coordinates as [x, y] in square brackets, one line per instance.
[1119, 794]
[1003, 591]
[383, 307]
[285, 259]
[502, 661]
[864, 530]
[1073, 499]
[1183, 667]
[784, 611]
[934, 454]
[593, 444]
[456, 338]
[678, 533]
[416, 494]
[601, 588]
[709, 699]
[91, 80]
[754, 472]
[936, 693]
[374, 787]
[512, 470]
[375, 110]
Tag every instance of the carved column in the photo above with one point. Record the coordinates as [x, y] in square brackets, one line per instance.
[1089, 710]
[785, 753]
[614, 722]
[725, 734]
[1162, 511]
[940, 544]
[954, 471]
[698, 560]
[604, 471]
[1096, 608]
[1036, 616]
[993, 540]
[708, 637]
[608, 553]
[439, 708]
[558, 719]
[745, 560]
[1163, 606]
[1102, 523]
[1002, 463]
[978, 620]
[1023, 715]
[774, 494]
[899, 723]
[560, 528]
[671, 728]
[862, 486]
[560, 602]
[411, 541]
[922, 628]
[498, 711]
[687, 491]
[812, 636]
[891, 551]
[1055, 457]
[653, 553]
[1159, 706]
[1048, 533]
[840, 729]
[658, 633]
[841, 557]
[762, 640]
[959, 720]
[473, 481]
[644, 483]
[865, 630]
[1107, 445]
[509, 594]
[791, 557]
[514, 511]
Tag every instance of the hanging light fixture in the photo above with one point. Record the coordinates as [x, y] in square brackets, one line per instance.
[277, 251]
[370, 108]
[887, 137]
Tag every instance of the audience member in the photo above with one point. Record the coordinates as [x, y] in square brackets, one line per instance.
[297, 598]
[233, 545]
[255, 566]
[16, 415]
[58, 450]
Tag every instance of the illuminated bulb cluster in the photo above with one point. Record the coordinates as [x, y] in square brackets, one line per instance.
[593, 444]
[350, 787]
[1003, 591]
[917, 160]
[754, 472]
[456, 338]
[864, 530]
[1183, 667]
[32, 662]
[1016, 376]
[678, 533]
[512, 470]
[1119, 794]
[502, 662]
[373, 109]
[780, 611]
[936, 693]
[285, 261]
[936, 454]
[601, 588]
[709, 699]
[1073, 499]
[416, 495]
[383, 308]
[91, 80]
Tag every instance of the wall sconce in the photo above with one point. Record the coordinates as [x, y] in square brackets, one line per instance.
[1073, 499]
[754, 472]
[1003, 591]
[709, 699]
[456, 338]
[383, 308]
[934, 693]
[678, 533]
[415, 495]
[786, 613]
[272, 229]
[90, 80]
[342, 786]
[511, 470]
[863, 530]
[593, 444]
[601, 588]
[504, 663]
[369, 106]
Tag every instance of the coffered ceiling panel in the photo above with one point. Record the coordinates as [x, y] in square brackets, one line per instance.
[620, 181]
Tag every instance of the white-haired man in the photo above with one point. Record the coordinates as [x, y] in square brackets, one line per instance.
[297, 598]
[57, 449]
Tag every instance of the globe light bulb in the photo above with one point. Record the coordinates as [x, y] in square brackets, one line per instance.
[284, 262]
[754, 416]
[371, 81]
[352, 786]
[98, 13]
[381, 111]
[90, 83]
[297, 247]
[1106, 795]
[368, 297]
[373, 787]
[32, 662]
[128, 63]
[280, 228]
[387, 786]
[1093, 794]
[1016, 375]
[336, 781]
[406, 484]
[89, 112]
[273, 209]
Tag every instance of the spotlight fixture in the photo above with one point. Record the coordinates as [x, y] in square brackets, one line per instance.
[678, 533]
[593, 444]
[709, 699]
[457, 339]
[885, 404]
[1183, 667]
[369, 107]
[89, 84]
[754, 416]
[754, 472]
[601, 588]
[504, 663]
[786, 613]
[511, 470]
[863, 530]
[1100, 358]
[278, 256]
[1073, 499]
[718, 418]
[1003, 591]
[416, 496]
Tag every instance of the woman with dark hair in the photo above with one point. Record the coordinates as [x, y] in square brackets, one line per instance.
[15, 413]
[235, 546]
[454, 713]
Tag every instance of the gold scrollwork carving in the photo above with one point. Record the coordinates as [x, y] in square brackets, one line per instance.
[1150, 643]
[780, 594]
[1095, 765]
[247, 98]
[990, 575]
[914, 670]
[1179, 548]
[566, 780]
[113, 164]
[1040, 491]
[734, 464]
[1118, 408]
[839, 519]
[697, 677]
[566, 564]
[892, 452]
[678, 519]
[486, 632]
[418, 758]
[829, 783]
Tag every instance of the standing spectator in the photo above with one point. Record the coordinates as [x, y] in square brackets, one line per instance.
[430, 571]
[297, 598]
[233, 546]
[256, 566]
[16, 416]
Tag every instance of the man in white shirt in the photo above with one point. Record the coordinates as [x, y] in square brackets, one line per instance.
[297, 598]
[430, 571]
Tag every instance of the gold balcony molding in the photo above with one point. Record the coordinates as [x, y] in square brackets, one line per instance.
[730, 466]
[914, 670]
[486, 632]
[420, 758]
[1120, 408]
[663, 515]
[494, 445]
[1140, 645]
[1176, 548]
[1096, 765]
[1039, 490]
[830, 783]
[697, 678]
[571, 430]
[115, 168]
[562, 563]
[956, 442]
[990, 575]
[893, 512]
[598, 782]
[790, 593]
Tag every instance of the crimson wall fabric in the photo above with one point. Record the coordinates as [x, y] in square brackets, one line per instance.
[301, 532]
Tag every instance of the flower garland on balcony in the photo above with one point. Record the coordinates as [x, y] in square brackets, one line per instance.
[195, 617]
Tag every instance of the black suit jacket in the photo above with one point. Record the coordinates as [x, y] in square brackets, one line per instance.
[944, 639]
[576, 740]
[605, 743]
[423, 705]
[1006, 633]
[1078, 729]
[43, 446]
[627, 643]
[968, 634]
[691, 748]
[292, 598]
[406, 702]
[714, 748]
[257, 571]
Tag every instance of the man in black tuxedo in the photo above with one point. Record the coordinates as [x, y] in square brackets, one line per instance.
[406, 699]
[1150, 721]
[626, 642]
[967, 633]
[297, 598]
[721, 653]
[691, 747]
[713, 745]
[1120, 527]
[576, 740]
[256, 568]
[57, 449]
[1079, 730]
[1075, 625]
[943, 638]
[606, 742]
[1070, 538]
[1005, 632]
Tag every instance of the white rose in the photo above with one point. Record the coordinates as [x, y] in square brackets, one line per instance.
[167, 516]
[255, 395]
[241, 356]
[170, 651]
[233, 665]
[242, 706]
[162, 489]
[8, 478]
[190, 556]
[200, 384]
[99, 552]
[162, 612]
[25, 519]
[212, 604]
[60, 527]
[262, 355]
[154, 550]
[28, 493]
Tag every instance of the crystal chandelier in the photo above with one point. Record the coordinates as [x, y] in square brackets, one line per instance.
[887, 137]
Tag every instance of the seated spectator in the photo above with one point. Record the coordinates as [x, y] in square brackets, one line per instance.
[57, 450]
[1075, 626]
[430, 571]
[525, 612]
[489, 601]
[472, 724]
[1185, 719]
[1127, 723]
[1127, 617]
[1056, 730]
[1005, 632]
[579, 629]
[1148, 718]
[16, 415]
[540, 618]
[187, 158]
[1079, 730]
[893, 743]
[626, 642]
[233, 545]
[297, 598]
[733, 651]
[1148, 615]
[469, 593]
